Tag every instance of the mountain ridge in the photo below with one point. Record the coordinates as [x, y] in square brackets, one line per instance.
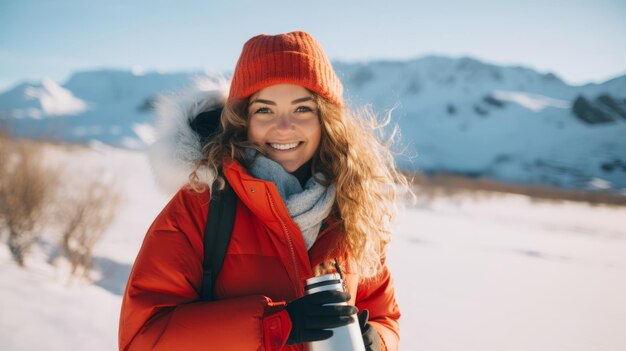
[458, 115]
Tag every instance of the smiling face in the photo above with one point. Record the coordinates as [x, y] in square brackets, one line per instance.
[284, 121]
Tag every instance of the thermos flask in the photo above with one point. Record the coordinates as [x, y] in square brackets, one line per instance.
[346, 338]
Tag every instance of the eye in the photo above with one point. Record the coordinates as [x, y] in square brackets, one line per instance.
[262, 110]
[304, 109]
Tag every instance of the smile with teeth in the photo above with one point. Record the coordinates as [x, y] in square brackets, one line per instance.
[284, 146]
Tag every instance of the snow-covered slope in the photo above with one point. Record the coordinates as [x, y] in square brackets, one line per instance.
[507, 123]
[115, 106]
[456, 115]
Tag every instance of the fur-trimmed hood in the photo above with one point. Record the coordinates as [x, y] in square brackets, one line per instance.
[178, 144]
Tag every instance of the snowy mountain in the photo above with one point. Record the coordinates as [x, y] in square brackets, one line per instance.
[507, 123]
[456, 115]
[111, 106]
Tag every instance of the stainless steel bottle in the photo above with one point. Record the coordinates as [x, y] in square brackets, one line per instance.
[346, 338]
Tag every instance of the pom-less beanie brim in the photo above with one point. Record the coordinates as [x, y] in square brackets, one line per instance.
[289, 58]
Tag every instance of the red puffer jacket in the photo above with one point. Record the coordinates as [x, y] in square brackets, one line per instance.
[265, 266]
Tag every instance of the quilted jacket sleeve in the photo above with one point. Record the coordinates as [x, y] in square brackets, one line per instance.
[160, 307]
[378, 297]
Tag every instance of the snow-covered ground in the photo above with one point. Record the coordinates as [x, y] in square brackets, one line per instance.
[510, 274]
[499, 273]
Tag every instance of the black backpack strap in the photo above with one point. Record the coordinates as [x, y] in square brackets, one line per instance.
[217, 232]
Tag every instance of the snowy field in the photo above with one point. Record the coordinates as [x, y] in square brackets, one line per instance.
[501, 273]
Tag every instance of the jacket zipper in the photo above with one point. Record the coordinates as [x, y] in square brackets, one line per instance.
[289, 241]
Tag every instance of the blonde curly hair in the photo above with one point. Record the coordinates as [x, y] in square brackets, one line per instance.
[354, 155]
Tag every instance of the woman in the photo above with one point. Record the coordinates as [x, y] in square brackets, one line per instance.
[315, 192]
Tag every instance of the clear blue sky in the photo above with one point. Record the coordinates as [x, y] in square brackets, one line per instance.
[581, 41]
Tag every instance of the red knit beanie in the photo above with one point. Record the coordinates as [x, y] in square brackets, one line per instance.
[293, 58]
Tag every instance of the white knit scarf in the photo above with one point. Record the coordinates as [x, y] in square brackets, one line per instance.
[308, 207]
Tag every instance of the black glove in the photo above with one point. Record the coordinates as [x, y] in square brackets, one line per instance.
[371, 339]
[309, 318]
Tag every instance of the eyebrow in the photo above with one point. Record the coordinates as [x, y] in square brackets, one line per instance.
[270, 102]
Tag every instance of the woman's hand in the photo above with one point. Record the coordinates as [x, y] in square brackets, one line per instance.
[371, 339]
[311, 315]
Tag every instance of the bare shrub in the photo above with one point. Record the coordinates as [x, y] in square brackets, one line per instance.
[4, 160]
[85, 212]
[77, 200]
[27, 188]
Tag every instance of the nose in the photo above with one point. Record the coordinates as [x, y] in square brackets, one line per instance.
[284, 122]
